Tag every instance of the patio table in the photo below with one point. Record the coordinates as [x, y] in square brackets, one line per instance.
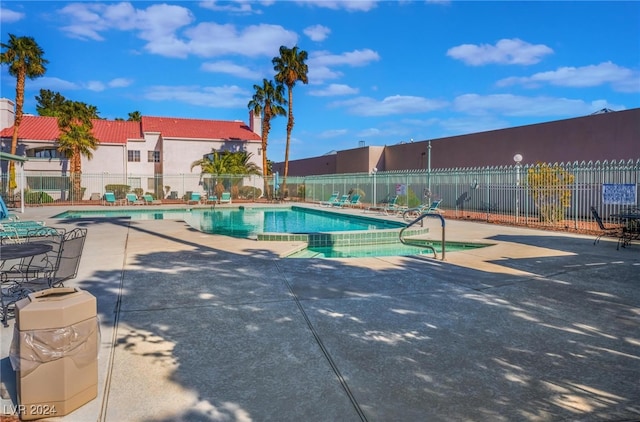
[631, 229]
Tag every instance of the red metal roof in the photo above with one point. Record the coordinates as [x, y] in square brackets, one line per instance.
[172, 127]
[39, 128]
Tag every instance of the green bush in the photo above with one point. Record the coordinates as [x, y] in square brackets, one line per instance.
[249, 192]
[37, 197]
[120, 191]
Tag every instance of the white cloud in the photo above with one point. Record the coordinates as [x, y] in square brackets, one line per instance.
[214, 97]
[210, 39]
[159, 24]
[349, 5]
[334, 90]
[317, 32]
[396, 104]
[51, 83]
[96, 86]
[10, 16]
[243, 7]
[119, 83]
[506, 51]
[320, 63]
[354, 58]
[230, 68]
[621, 79]
[519, 106]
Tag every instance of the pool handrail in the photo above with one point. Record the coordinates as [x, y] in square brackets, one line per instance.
[419, 220]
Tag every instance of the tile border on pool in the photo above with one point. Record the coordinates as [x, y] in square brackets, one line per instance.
[347, 238]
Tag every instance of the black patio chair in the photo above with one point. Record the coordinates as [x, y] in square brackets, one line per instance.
[604, 230]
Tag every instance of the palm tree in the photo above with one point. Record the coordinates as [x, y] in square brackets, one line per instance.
[23, 55]
[135, 116]
[267, 102]
[76, 139]
[226, 163]
[291, 68]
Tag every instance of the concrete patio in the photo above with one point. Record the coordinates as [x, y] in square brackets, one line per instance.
[541, 326]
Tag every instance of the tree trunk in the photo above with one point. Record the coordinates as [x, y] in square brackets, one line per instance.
[16, 127]
[286, 151]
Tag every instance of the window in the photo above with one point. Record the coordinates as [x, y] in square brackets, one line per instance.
[134, 182]
[153, 156]
[133, 156]
[46, 153]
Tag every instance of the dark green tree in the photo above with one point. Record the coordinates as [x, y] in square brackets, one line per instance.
[267, 103]
[49, 102]
[291, 68]
[76, 139]
[25, 59]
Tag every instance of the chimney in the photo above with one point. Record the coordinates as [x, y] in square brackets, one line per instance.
[7, 113]
[255, 123]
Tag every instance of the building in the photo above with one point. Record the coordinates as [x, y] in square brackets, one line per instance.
[610, 136]
[144, 150]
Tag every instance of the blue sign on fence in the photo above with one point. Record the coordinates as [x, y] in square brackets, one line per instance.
[619, 194]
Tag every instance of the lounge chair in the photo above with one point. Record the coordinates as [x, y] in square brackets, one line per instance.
[148, 200]
[132, 199]
[17, 231]
[4, 211]
[340, 202]
[110, 199]
[415, 212]
[212, 199]
[354, 201]
[333, 198]
[388, 206]
[195, 198]
[225, 198]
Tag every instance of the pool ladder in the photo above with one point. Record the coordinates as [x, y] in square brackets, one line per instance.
[419, 243]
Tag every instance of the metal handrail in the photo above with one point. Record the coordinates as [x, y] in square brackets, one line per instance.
[419, 220]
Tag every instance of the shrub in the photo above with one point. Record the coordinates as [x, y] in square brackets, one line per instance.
[37, 197]
[249, 192]
[120, 191]
[551, 190]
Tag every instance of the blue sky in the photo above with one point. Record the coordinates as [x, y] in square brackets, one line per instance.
[379, 72]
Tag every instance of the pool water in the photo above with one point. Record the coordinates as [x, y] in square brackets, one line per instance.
[248, 222]
[384, 249]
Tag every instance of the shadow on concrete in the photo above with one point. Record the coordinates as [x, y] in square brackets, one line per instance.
[230, 336]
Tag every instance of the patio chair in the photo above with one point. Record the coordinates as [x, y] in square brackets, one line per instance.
[69, 258]
[132, 199]
[340, 202]
[333, 198]
[149, 200]
[35, 266]
[212, 199]
[34, 273]
[388, 206]
[415, 212]
[354, 201]
[605, 231]
[195, 198]
[110, 199]
[18, 230]
[225, 198]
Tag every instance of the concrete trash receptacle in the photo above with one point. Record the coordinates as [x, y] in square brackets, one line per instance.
[54, 352]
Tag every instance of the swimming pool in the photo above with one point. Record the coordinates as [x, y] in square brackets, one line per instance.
[267, 223]
[326, 234]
